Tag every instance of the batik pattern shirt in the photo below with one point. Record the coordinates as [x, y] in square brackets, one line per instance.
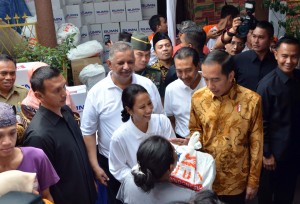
[163, 74]
[232, 132]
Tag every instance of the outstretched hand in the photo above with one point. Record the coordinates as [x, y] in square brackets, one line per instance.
[179, 141]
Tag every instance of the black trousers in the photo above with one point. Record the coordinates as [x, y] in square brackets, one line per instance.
[278, 186]
[113, 184]
[233, 199]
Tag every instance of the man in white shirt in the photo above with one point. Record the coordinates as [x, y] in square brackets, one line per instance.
[102, 112]
[178, 94]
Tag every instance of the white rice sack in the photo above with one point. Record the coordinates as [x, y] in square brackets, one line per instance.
[84, 50]
[66, 29]
[16, 180]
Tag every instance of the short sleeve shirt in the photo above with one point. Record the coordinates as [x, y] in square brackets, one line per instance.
[103, 106]
[36, 161]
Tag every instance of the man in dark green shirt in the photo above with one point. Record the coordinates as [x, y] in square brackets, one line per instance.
[141, 48]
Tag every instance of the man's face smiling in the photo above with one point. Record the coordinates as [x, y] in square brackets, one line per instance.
[7, 76]
[122, 65]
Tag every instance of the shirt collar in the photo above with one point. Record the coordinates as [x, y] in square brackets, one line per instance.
[111, 84]
[283, 77]
[254, 56]
[51, 116]
[11, 92]
[231, 95]
[189, 88]
[158, 65]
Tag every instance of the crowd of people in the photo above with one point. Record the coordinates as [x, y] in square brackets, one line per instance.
[242, 94]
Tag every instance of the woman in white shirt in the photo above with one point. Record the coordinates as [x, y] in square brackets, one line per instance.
[149, 182]
[139, 124]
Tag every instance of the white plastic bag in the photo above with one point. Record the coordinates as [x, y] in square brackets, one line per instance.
[195, 170]
[91, 74]
[84, 50]
[15, 180]
[66, 29]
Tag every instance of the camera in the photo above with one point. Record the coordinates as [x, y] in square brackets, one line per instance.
[249, 21]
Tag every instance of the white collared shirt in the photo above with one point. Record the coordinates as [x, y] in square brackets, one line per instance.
[177, 103]
[127, 139]
[103, 106]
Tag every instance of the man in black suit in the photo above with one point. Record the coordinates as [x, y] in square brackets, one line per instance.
[280, 91]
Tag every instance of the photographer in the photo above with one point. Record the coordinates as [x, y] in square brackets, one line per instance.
[227, 34]
[213, 31]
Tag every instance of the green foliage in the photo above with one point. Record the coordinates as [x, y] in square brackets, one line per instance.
[290, 22]
[55, 57]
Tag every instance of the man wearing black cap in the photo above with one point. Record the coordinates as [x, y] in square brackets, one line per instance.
[163, 50]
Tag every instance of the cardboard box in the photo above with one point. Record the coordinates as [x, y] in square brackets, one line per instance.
[22, 78]
[71, 2]
[84, 34]
[111, 29]
[31, 6]
[129, 27]
[96, 32]
[78, 95]
[88, 13]
[78, 64]
[102, 12]
[145, 28]
[59, 17]
[57, 4]
[117, 11]
[74, 14]
[133, 10]
[149, 8]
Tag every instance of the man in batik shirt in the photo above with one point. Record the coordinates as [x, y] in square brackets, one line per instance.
[229, 119]
[164, 51]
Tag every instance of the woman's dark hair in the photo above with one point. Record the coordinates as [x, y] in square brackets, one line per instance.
[203, 197]
[206, 197]
[154, 156]
[128, 98]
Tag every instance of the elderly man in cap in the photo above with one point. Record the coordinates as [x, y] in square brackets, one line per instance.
[141, 48]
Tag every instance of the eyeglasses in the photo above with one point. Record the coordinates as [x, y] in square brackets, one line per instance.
[238, 44]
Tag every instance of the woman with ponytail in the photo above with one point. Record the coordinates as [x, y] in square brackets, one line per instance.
[148, 182]
[139, 124]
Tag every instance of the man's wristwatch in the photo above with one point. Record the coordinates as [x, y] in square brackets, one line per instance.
[230, 34]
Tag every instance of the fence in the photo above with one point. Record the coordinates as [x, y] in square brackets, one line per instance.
[14, 33]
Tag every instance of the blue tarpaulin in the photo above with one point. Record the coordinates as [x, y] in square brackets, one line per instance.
[12, 7]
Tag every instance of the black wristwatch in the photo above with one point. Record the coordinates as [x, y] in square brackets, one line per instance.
[230, 34]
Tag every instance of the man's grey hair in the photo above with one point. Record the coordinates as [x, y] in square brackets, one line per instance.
[119, 46]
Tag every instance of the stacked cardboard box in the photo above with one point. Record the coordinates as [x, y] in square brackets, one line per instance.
[205, 12]
[96, 18]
